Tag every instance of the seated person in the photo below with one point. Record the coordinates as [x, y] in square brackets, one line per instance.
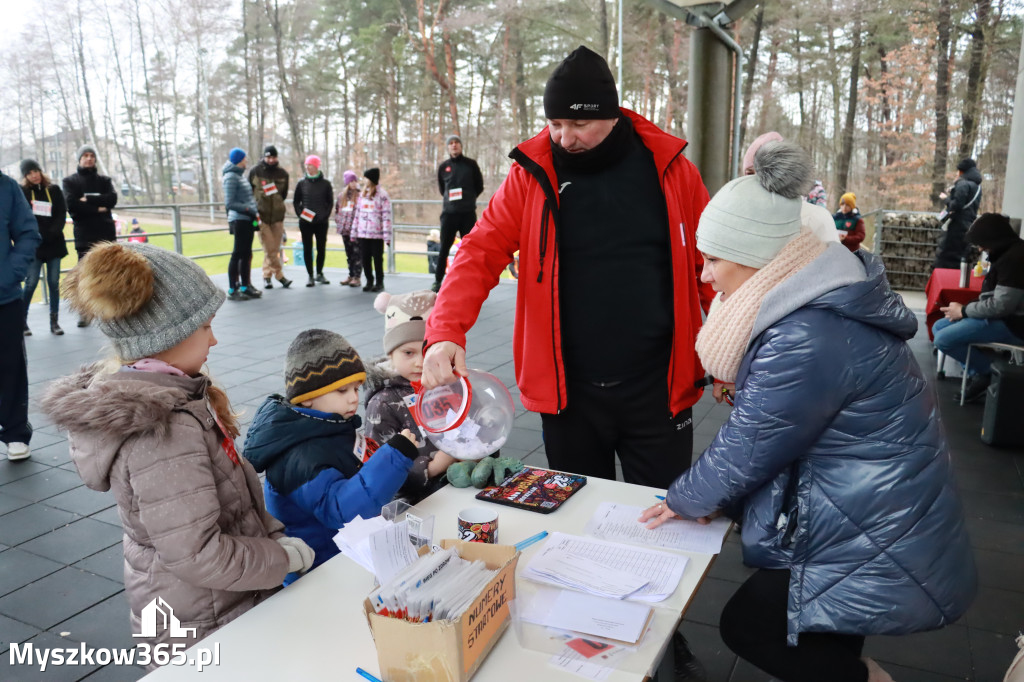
[391, 382]
[307, 443]
[849, 224]
[998, 315]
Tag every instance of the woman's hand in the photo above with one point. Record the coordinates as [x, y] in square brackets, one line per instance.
[660, 513]
[723, 391]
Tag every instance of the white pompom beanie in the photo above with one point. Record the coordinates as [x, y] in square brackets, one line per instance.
[753, 217]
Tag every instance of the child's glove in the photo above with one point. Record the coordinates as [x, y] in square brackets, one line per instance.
[300, 555]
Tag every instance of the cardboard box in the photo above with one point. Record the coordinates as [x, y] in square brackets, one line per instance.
[449, 651]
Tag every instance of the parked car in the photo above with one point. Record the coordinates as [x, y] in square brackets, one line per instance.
[130, 190]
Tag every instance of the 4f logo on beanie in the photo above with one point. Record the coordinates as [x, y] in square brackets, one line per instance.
[584, 107]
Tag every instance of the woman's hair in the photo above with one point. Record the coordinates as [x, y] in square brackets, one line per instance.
[45, 182]
[370, 189]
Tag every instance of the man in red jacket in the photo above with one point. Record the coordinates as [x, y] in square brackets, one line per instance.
[602, 207]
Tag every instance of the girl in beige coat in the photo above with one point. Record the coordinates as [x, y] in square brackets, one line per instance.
[157, 432]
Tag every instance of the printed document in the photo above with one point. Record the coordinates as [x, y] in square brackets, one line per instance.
[618, 522]
[567, 560]
[587, 614]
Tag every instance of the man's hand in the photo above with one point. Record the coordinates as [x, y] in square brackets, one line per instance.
[412, 439]
[102, 209]
[943, 195]
[82, 199]
[443, 363]
[954, 311]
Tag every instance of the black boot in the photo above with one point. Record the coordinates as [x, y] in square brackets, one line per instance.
[687, 668]
[320, 278]
[267, 284]
[285, 282]
[27, 332]
[83, 322]
[54, 327]
[974, 392]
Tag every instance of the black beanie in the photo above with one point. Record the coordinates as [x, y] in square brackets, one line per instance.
[991, 231]
[29, 165]
[373, 175]
[270, 150]
[966, 165]
[581, 86]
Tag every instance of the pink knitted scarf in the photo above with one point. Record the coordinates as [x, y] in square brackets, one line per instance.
[722, 341]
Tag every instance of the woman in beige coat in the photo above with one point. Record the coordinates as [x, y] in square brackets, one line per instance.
[157, 432]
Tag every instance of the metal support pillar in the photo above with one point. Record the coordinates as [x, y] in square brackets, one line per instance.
[709, 115]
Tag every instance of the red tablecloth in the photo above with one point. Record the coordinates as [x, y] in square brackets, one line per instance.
[944, 288]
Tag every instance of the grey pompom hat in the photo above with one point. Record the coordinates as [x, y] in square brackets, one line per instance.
[753, 217]
[143, 305]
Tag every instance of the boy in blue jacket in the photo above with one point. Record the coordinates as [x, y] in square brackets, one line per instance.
[307, 443]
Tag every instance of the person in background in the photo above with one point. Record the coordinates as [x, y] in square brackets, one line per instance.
[150, 426]
[47, 202]
[137, 234]
[842, 479]
[270, 188]
[313, 200]
[19, 242]
[307, 441]
[962, 204]
[460, 182]
[818, 196]
[90, 199]
[372, 227]
[433, 249]
[344, 211]
[243, 217]
[998, 315]
[849, 224]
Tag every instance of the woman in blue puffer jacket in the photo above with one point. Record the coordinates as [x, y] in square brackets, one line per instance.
[832, 459]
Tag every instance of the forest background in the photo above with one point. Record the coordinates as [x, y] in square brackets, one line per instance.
[886, 95]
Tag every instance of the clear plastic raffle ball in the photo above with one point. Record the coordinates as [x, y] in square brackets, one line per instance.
[470, 418]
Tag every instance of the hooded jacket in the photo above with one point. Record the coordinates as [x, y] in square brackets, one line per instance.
[91, 224]
[1002, 292]
[523, 216]
[19, 239]
[51, 227]
[834, 459]
[853, 225]
[196, 533]
[271, 206]
[315, 483]
[963, 209]
[238, 197]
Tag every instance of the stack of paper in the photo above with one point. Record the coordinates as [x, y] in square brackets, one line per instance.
[618, 522]
[379, 546]
[622, 621]
[606, 568]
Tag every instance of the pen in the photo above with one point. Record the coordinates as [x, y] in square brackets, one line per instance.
[660, 497]
[368, 675]
[520, 546]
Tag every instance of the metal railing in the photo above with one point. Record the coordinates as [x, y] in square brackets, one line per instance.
[206, 211]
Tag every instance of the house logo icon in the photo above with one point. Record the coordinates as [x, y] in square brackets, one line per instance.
[159, 612]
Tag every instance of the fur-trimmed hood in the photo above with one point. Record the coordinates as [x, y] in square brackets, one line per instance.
[102, 410]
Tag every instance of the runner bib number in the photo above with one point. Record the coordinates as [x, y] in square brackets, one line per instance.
[42, 208]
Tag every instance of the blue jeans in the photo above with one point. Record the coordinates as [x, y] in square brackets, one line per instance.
[52, 283]
[952, 338]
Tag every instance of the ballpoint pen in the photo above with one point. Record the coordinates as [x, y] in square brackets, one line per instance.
[523, 544]
[368, 676]
[660, 497]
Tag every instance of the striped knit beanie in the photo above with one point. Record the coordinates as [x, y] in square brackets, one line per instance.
[318, 362]
[145, 299]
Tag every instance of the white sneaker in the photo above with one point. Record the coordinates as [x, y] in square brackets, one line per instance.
[16, 451]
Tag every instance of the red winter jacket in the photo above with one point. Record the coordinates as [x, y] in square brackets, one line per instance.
[522, 216]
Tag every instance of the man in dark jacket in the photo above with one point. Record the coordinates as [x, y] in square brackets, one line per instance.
[90, 198]
[998, 315]
[961, 209]
[460, 182]
[313, 203]
[270, 188]
[19, 239]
